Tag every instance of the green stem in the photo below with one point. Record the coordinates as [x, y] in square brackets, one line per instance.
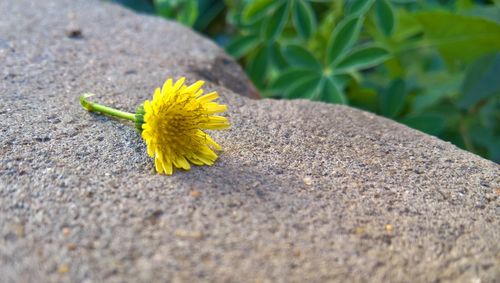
[94, 107]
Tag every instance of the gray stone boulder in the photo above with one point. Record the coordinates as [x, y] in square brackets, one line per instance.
[303, 191]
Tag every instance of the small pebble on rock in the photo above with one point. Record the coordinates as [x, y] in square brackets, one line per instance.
[389, 228]
[185, 234]
[195, 194]
[63, 268]
[66, 231]
[308, 181]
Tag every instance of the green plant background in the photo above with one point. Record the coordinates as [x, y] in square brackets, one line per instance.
[432, 65]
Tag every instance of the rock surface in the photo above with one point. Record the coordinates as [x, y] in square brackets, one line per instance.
[303, 192]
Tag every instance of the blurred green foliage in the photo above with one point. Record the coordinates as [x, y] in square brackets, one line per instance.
[432, 65]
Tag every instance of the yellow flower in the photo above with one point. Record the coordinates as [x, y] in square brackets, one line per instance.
[173, 124]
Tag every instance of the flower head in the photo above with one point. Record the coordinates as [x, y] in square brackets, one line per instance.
[173, 125]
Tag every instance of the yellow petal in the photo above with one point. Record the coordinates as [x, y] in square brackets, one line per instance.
[167, 86]
[211, 142]
[147, 106]
[207, 153]
[208, 97]
[147, 128]
[216, 123]
[204, 159]
[179, 83]
[198, 93]
[195, 160]
[167, 167]
[194, 87]
[151, 150]
[157, 94]
[158, 164]
[217, 119]
[213, 107]
[182, 162]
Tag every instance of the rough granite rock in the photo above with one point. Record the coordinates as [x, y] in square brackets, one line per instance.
[303, 191]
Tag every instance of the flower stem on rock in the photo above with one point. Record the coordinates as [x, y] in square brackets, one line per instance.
[94, 107]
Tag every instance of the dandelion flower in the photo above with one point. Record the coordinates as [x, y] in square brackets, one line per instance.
[173, 124]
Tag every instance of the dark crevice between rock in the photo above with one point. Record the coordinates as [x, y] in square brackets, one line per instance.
[226, 72]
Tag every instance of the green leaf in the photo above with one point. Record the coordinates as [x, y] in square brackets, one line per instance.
[362, 97]
[430, 123]
[460, 38]
[489, 12]
[258, 66]
[362, 58]
[164, 8]
[139, 6]
[332, 92]
[300, 57]
[489, 116]
[343, 37]
[359, 7]
[305, 88]
[487, 139]
[384, 15]
[209, 12]
[276, 56]
[276, 22]
[304, 18]
[185, 12]
[407, 26]
[257, 9]
[482, 80]
[189, 12]
[392, 99]
[242, 45]
[287, 79]
[433, 89]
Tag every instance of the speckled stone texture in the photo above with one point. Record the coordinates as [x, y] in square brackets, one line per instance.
[303, 191]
